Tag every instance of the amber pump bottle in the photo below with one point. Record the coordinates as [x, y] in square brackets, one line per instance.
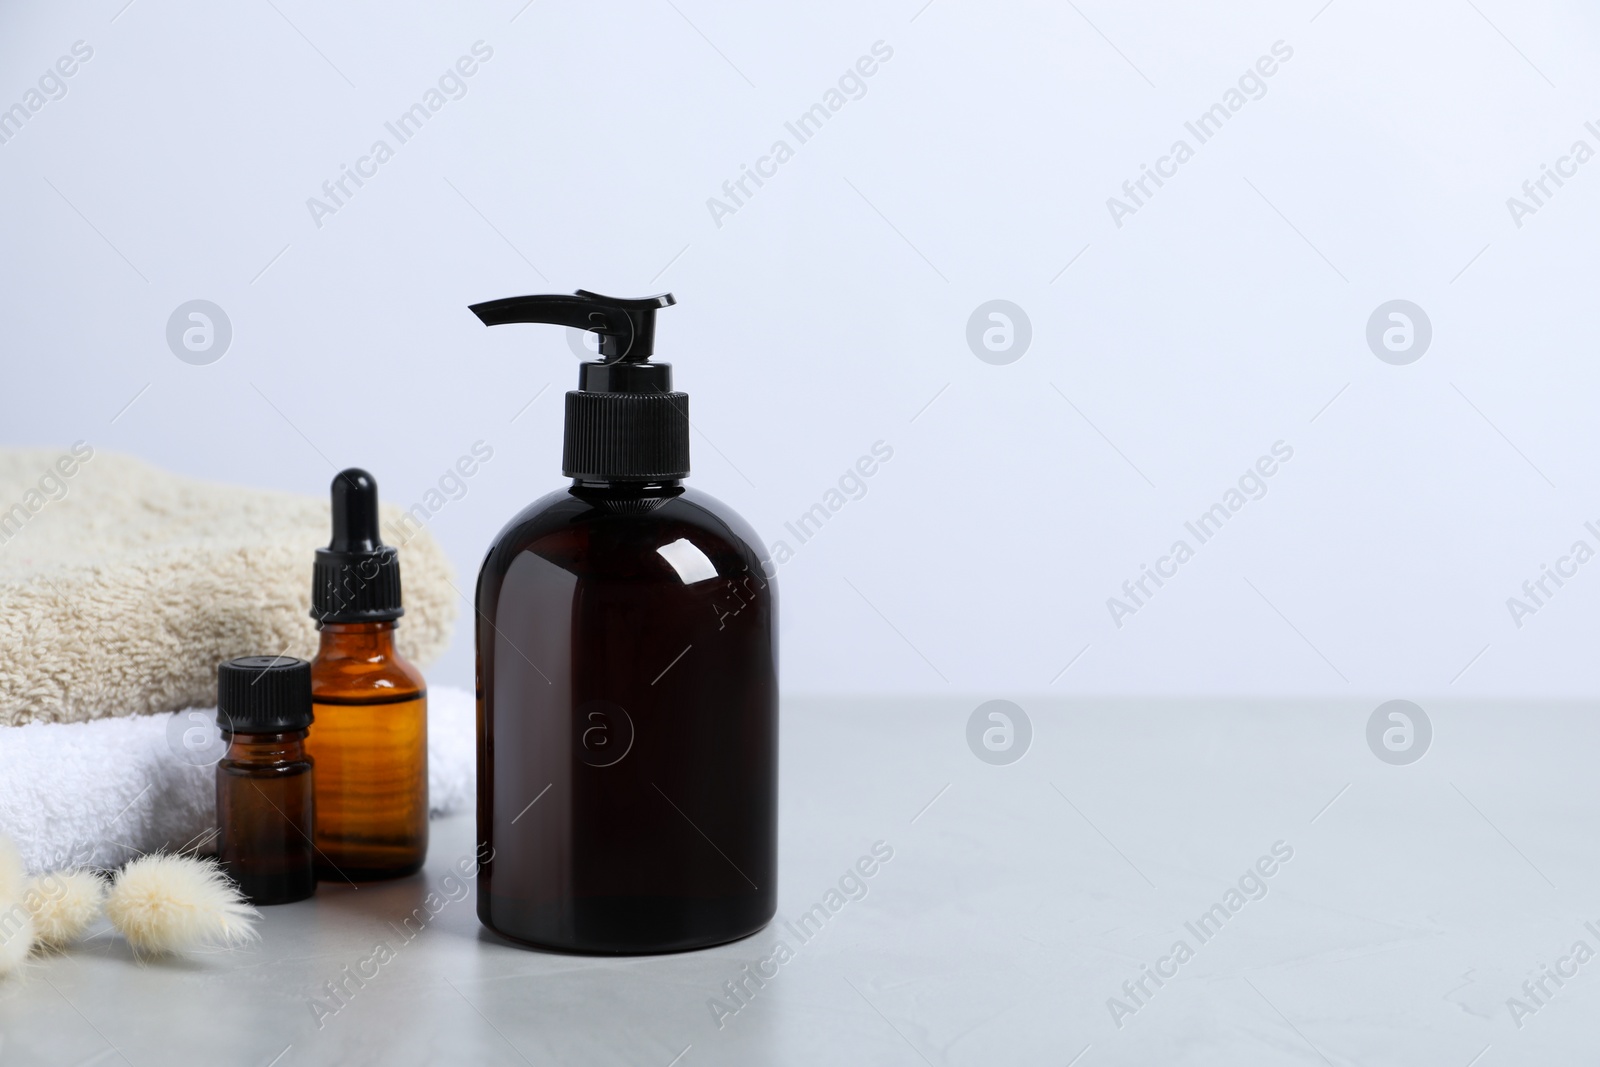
[265, 801]
[370, 741]
[627, 677]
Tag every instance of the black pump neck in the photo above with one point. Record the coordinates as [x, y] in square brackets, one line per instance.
[630, 486]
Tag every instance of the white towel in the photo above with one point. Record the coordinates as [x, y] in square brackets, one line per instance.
[96, 794]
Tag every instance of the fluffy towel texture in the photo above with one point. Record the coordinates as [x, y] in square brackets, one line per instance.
[122, 586]
[96, 794]
[166, 903]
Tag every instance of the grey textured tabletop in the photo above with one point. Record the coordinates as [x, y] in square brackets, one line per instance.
[1333, 907]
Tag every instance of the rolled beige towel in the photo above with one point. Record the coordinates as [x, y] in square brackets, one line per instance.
[122, 586]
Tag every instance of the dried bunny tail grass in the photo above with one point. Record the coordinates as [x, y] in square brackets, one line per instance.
[64, 904]
[164, 903]
[13, 874]
[16, 935]
[16, 922]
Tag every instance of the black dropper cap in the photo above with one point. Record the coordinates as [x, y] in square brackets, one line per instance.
[624, 422]
[263, 695]
[357, 577]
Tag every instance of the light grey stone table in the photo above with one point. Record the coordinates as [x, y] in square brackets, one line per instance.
[1017, 922]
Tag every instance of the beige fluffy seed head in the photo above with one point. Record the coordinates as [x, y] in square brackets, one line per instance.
[64, 905]
[164, 903]
[16, 923]
[16, 935]
[13, 875]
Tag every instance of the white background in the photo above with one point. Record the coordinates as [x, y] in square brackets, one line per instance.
[826, 313]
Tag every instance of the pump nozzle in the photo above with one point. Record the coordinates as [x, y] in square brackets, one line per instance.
[624, 421]
[627, 327]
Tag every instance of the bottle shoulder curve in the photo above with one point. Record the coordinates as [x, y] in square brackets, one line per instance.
[587, 532]
[354, 679]
[722, 517]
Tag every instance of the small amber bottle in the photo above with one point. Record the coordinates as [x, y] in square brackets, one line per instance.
[265, 803]
[370, 741]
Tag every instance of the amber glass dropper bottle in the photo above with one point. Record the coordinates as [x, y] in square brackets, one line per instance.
[370, 738]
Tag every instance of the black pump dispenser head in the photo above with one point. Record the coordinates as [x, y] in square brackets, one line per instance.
[357, 577]
[624, 422]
